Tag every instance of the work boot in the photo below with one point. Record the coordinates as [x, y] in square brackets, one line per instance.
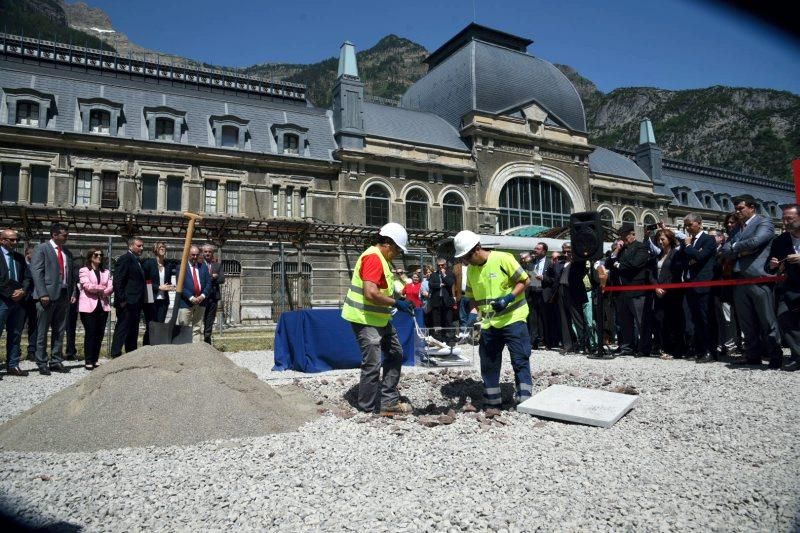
[397, 409]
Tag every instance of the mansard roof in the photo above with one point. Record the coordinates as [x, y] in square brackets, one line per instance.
[410, 126]
[604, 161]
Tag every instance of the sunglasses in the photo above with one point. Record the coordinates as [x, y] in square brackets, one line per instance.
[97, 254]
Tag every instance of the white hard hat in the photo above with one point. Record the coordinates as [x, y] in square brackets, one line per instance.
[397, 233]
[464, 241]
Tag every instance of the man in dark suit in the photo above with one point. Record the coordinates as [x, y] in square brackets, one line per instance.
[128, 298]
[15, 284]
[53, 290]
[700, 250]
[568, 277]
[785, 259]
[214, 268]
[630, 265]
[194, 293]
[29, 304]
[539, 317]
[755, 303]
[550, 297]
[441, 284]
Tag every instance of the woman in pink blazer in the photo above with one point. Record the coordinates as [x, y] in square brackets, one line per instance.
[93, 305]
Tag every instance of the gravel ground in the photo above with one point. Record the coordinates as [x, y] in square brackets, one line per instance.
[708, 447]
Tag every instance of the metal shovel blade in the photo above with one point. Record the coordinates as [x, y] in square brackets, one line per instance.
[168, 333]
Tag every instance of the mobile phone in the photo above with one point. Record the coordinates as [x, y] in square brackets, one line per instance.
[651, 227]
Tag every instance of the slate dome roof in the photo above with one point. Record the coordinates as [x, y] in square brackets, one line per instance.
[485, 70]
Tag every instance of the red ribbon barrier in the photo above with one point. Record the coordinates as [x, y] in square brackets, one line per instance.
[694, 284]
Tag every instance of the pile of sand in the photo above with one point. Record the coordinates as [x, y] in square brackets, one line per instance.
[158, 396]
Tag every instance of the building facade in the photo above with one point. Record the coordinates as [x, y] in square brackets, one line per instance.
[490, 139]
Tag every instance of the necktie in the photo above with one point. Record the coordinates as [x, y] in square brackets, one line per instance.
[196, 281]
[60, 263]
[12, 273]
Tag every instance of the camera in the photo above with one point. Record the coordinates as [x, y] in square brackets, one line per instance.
[651, 227]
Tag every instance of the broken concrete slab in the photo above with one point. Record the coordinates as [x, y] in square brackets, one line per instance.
[576, 404]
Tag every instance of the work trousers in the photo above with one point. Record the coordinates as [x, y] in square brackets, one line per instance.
[51, 317]
[755, 309]
[126, 330]
[493, 340]
[209, 315]
[94, 326]
[12, 316]
[374, 392]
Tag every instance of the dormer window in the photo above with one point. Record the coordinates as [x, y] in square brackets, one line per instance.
[99, 121]
[230, 131]
[291, 139]
[230, 136]
[290, 143]
[165, 129]
[164, 124]
[29, 107]
[684, 198]
[707, 202]
[101, 116]
[27, 114]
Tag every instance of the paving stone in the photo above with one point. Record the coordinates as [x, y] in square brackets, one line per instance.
[576, 404]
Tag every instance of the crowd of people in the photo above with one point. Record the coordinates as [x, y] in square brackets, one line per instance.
[46, 290]
[655, 301]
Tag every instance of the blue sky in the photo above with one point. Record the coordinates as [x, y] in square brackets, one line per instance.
[672, 44]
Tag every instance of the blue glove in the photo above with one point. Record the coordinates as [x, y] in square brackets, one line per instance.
[405, 306]
[471, 319]
[501, 303]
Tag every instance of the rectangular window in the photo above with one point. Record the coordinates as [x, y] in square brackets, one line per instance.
[289, 201]
[109, 199]
[165, 128]
[290, 143]
[174, 191]
[149, 191]
[40, 184]
[99, 121]
[232, 197]
[83, 187]
[27, 114]
[276, 190]
[303, 203]
[230, 136]
[9, 183]
[211, 196]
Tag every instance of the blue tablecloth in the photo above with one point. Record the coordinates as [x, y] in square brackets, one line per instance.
[315, 340]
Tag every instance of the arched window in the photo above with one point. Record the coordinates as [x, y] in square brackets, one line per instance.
[629, 218]
[533, 201]
[607, 217]
[165, 129]
[377, 205]
[649, 219]
[100, 121]
[453, 210]
[416, 209]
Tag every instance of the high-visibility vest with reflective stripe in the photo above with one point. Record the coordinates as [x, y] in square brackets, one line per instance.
[494, 279]
[356, 308]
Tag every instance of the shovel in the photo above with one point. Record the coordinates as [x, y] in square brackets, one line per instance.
[169, 332]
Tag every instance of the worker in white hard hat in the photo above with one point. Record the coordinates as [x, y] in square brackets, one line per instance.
[496, 286]
[368, 307]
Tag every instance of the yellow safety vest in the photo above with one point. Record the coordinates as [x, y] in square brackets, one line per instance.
[494, 279]
[356, 308]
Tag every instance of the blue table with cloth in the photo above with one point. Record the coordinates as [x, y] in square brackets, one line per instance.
[316, 340]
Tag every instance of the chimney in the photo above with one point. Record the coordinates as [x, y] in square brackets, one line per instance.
[648, 154]
[348, 99]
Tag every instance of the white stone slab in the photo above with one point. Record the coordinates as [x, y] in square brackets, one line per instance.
[576, 404]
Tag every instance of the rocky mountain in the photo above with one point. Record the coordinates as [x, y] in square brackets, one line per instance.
[750, 130]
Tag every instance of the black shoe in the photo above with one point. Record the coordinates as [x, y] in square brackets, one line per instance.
[707, 358]
[17, 371]
[43, 370]
[624, 353]
[58, 367]
[604, 355]
[791, 366]
[776, 364]
[743, 361]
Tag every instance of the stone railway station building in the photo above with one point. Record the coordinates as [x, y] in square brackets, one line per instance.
[491, 139]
